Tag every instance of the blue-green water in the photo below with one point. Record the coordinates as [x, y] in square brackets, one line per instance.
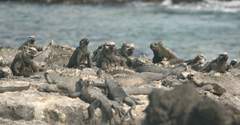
[188, 30]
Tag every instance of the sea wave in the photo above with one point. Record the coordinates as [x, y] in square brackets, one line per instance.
[210, 5]
[205, 6]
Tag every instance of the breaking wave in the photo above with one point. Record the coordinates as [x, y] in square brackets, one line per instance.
[205, 6]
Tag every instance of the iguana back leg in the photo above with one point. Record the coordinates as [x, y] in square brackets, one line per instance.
[130, 102]
[107, 113]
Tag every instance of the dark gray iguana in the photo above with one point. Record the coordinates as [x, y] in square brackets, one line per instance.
[81, 56]
[106, 57]
[115, 92]
[89, 93]
[126, 52]
[197, 63]
[219, 64]
[97, 99]
[74, 87]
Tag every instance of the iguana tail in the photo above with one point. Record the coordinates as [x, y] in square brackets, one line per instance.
[49, 80]
[40, 53]
[138, 90]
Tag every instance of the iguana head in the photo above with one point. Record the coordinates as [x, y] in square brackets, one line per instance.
[128, 48]
[234, 62]
[31, 40]
[84, 42]
[109, 47]
[156, 47]
[199, 59]
[30, 51]
[222, 58]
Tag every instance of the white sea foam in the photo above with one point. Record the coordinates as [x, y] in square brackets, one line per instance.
[207, 5]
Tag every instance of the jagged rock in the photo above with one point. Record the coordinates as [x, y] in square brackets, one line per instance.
[149, 68]
[227, 83]
[55, 55]
[176, 1]
[30, 106]
[5, 72]
[185, 1]
[129, 80]
[7, 55]
[50, 108]
[21, 104]
[214, 88]
[171, 81]
[74, 1]
[13, 85]
[2, 62]
[21, 122]
[16, 112]
[120, 69]
[136, 79]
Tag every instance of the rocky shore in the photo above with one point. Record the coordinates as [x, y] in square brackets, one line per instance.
[175, 94]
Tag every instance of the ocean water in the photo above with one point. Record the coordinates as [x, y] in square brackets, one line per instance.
[208, 28]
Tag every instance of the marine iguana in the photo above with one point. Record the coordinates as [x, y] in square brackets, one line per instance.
[160, 53]
[108, 58]
[86, 91]
[23, 64]
[126, 51]
[219, 64]
[97, 99]
[81, 56]
[197, 63]
[115, 92]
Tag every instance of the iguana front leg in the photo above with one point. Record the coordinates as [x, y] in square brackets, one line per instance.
[89, 61]
[91, 109]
